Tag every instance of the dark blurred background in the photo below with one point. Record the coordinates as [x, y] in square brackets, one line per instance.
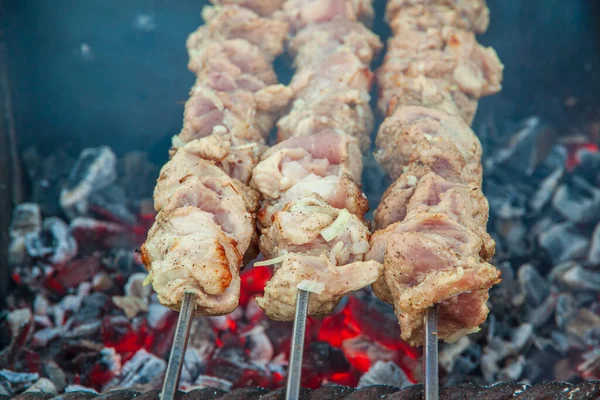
[84, 73]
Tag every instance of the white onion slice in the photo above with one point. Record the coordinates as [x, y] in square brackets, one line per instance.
[272, 261]
[177, 142]
[311, 286]
[148, 279]
[337, 227]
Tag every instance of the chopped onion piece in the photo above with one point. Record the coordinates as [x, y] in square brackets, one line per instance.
[244, 146]
[148, 279]
[411, 180]
[360, 248]
[337, 227]
[311, 286]
[272, 261]
[177, 142]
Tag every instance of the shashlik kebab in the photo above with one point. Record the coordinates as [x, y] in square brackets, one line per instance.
[206, 211]
[311, 220]
[431, 222]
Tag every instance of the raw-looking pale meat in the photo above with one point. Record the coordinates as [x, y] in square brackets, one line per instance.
[186, 251]
[339, 191]
[470, 15]
[265, 8]
[302, 13]
[311, 226]
[316, 40]
[234, 22]
[415, 133]
[279, 299]
[306, 159]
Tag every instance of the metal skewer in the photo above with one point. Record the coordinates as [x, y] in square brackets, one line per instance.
[297, 350]
[182, 333]
[430, 358]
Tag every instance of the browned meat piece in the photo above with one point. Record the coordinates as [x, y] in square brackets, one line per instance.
[311, 226]
[430, 137]
[312, 42]
[470, 15]
[331, 283]
[453, 61]
[236, 57]
[301, 13]
[306, 159]
[188, 249]
[234, 22]
[265, 8]
[337, 191]
[344, 111]
[190, 161]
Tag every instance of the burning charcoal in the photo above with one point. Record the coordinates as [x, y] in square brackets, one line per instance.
[135, 286]
[565, 309]
[576, 277]
[584, 326]
[259, 345]
[577, 201]
[52, 371]
[563, 242]
[594, 254]
[158, 316]
[93, 233]
[79, 388]
[112, 203]
[538, 316]
[44, 336]
[131, 305]
[532, 284]
[40, 305]
[102, 282]
[530, 145]
[53, 242]
[144, 368]
[384, 373]
[205, 381]
[94, 170]
[42, 385]
[26, 219]
[137, 175]
[194, 363]
[545, 191]
[505, 201]
[23, 378]
[92, 307]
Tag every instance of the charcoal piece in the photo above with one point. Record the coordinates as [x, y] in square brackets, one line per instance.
[158, 316]
[279, 394]
[577, 201]
[131, 305]
[538, 316]
[26, 219]
[460, 359]
[594, 253]
[93, 307]
[500, 391]
[201, 394]
[52, 371]
[384, 373]
[212, 382]
[513, 370]
[532, 284]
[321, 358]
[143, 368]
[247, 393]
[112, 203]
[121, 394]
[583, 391]
[545, 190]
[414, 392]
[258, 344]
[54, 242]
[590, 366]
[33, 396]
[528, 147]
[19, 377]
[580, 278]
[79, 395]
[42, 385]
[332, 392]
[372, 392]
[137, 175]
[94, 170]
[194, 363]
[505, 200]
[565, 309]
[544, 391]
[563, 242]
[514, 235]
[93, 234]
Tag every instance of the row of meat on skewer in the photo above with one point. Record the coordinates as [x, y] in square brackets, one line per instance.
[224, 196]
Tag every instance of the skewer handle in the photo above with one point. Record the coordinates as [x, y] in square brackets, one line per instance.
[430, 358]
[297, 350]
[182, 333]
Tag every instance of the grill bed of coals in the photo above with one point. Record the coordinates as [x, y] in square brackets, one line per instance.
[545, 391]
